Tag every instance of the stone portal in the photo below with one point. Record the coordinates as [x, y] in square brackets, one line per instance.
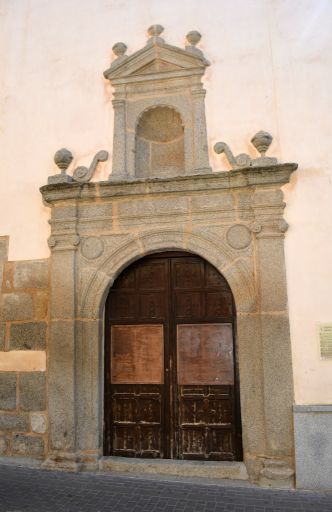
[162, 196]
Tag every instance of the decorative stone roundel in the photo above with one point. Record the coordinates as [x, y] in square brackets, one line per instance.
[238, 236]
[92, 247]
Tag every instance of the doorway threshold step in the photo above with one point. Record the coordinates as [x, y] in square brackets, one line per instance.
[184, 468]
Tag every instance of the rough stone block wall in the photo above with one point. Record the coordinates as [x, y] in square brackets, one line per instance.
[23, 342]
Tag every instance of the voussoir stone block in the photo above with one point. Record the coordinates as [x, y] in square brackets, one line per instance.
[16, 306]
[28, 446]
[7, 390]
[32, 391]
[28, 336]
[14, 422]
[31, 274]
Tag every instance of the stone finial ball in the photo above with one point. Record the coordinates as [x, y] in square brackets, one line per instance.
[193, 37]
[63, 158]
[155, 30]
[119, 49]
[262, 140]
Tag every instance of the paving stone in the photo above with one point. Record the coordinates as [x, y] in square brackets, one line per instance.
[30, 490]
[7, 390]
[28, 336]
[32, 391]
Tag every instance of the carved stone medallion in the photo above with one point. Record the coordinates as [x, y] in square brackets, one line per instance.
[92, 247]
[238, 236]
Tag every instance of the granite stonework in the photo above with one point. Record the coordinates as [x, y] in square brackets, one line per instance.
[14, 422]
[2, 335]
[23, 327]
[159, 113]
[32, 391]
[233, 220]
[4, 445]
[30, 274]
[28, 446]
[22, 433]
[16, 306]
[4, 244]
[313, 446]
[7, 390]
[28, 336]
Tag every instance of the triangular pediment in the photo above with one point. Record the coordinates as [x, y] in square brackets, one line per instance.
[156, 66]
[154, 59]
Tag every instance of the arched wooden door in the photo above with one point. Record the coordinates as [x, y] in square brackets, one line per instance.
[171, 388]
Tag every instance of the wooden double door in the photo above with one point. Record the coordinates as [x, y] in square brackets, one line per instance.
[171, 387]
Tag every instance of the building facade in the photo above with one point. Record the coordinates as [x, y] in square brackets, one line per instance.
[176, 312]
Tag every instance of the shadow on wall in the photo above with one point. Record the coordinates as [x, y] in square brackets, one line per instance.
[159, 146]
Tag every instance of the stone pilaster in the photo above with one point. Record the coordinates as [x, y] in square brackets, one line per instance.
[119, 171]
[276, 348]
[201, 159]
[61, 347]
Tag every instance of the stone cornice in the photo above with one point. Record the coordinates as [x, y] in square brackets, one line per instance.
[276, 175]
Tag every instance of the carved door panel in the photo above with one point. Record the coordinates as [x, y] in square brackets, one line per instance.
[170, 386]
[205, 383]
[136, 314]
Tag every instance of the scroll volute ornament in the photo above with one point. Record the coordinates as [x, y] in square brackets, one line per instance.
[63, 158]
[261, 141]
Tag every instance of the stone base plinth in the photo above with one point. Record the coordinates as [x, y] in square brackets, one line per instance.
[183, 468]
[276, 474]
[62, 462]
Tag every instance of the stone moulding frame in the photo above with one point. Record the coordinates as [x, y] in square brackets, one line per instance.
[158, 75]
[232, 219]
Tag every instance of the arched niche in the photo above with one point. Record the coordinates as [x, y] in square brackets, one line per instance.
[159, 143]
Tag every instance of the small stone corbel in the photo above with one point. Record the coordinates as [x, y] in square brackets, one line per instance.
[84, 174]
[51, 242]
[261, 141]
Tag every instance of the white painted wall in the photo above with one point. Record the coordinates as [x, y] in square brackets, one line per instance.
[271, 63]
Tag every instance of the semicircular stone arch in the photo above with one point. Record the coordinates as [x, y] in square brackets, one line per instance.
[236, 271]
